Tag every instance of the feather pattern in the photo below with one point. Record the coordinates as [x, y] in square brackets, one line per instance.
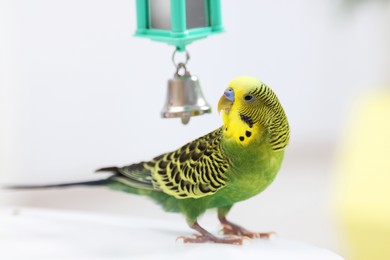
[195, 170]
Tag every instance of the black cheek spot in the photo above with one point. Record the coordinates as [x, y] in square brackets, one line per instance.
[247, 120]
[242, 138]
[248, 133]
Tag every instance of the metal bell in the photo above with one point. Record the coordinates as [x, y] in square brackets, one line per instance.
[184, 97]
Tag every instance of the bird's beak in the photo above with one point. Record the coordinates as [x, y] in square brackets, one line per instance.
[224, 104]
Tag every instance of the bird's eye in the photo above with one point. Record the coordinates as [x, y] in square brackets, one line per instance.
[248, 97]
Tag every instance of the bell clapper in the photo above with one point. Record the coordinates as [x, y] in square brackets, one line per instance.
[185, 119]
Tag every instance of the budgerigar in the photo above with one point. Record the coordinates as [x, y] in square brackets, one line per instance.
[231, 164]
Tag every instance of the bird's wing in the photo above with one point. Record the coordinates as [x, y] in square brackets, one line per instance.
[195, 170]
[135, 175]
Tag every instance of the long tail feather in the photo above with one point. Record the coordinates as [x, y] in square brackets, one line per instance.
[60, 185]
[134, 175]
[108, 169]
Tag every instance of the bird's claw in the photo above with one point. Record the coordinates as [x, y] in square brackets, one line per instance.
[232, 229]
[180, 237]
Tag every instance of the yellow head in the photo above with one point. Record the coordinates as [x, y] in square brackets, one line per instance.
[252, 112]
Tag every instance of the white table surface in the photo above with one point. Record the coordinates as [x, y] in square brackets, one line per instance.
[27, 233]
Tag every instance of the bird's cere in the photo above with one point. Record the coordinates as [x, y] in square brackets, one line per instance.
[229, 94]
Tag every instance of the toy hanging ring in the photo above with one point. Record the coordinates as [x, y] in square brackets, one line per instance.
[187, 57]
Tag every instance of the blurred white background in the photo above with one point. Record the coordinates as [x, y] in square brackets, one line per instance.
[78, 92]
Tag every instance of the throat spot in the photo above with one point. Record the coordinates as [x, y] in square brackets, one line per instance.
[247, 134]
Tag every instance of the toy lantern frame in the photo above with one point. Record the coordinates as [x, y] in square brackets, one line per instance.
[178, 22]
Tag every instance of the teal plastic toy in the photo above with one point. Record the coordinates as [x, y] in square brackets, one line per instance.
[178, 22]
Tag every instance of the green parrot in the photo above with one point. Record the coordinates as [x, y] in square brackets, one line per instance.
[233, 163]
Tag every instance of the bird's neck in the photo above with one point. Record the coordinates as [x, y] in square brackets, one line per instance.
[245, 131]
[241, 130]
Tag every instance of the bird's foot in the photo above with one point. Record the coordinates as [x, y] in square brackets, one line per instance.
[229, 228]
[208, 238]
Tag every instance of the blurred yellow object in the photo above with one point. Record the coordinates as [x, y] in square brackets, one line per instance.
[363, 183]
